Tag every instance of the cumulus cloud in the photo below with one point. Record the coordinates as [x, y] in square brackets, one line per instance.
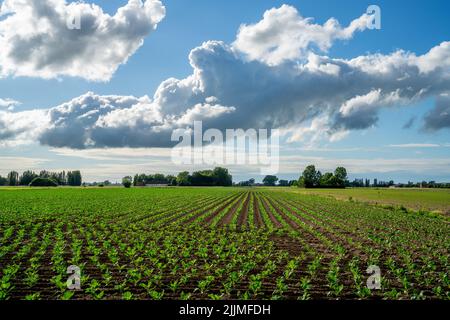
[228, 90]
[361, 111]
[439, 117]
[94, 121]
[9, 104]
[202, 112]
[37, 42]
[76, 124]
[283, 34]
[22, 127]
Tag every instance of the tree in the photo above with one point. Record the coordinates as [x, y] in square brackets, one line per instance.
[341, 175]
[318, 178]
[63, 178]
[13, 178]
[159, 178]
[171, 180]
[283, 183]
[77, 177]
[202, 178]
[44, 174]
[69, 177]
[183, 179]
[74, 178]
[334, 182]
[247, 183]
[142, 180]
[326, 180]
[217, 177]
[301, 182]
[310, 177]
[222, 177]
[127, 182]
[27, 177]
[43, 182]
[3, 181]
[59, 177]
[270, 180]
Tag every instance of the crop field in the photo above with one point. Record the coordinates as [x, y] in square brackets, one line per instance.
[415, 199]
[215, 243]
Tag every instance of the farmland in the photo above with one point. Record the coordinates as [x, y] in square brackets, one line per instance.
[215, 243]
[415, 199]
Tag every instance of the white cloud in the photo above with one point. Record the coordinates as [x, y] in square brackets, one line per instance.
[36, 41]
[202, 112]
[22, 127]
[78, 123]
[362, 111]
[439, 117]
[415, 145]
[311, 134]
[9, 104]
[437, 56]
[20, 164]
[283, 34]
[115, 154]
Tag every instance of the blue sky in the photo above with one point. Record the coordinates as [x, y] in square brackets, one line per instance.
[412, 26]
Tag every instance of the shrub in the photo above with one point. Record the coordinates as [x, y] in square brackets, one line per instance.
[127, 182]
[43, 182]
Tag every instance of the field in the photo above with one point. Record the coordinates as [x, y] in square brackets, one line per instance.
[215, 243]
[415, 199]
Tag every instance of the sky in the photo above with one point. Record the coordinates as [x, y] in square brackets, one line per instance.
[106, 98]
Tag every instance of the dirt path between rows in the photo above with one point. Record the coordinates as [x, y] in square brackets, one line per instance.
[243, 215]
[259, 222]
[272, 218]
[211, 216]
[226, 220]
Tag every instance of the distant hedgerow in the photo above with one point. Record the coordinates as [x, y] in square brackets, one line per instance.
[43, 182]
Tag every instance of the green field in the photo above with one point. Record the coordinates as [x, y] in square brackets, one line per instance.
[416, 199]
[217, 243]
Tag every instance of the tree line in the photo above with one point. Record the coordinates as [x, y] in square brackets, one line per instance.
[42, 179]
[367, 183]
[205, 178]
[310, 178]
